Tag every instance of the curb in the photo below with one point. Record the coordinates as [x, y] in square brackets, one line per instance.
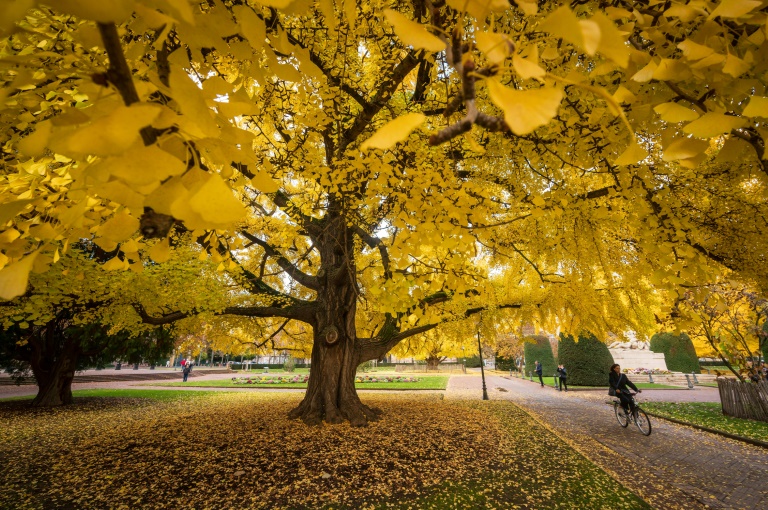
[748, 440]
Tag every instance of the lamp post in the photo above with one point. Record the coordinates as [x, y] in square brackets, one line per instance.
[480, 352]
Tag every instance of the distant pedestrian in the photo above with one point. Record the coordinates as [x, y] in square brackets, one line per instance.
[186, 370]
[562, 374]
[183, 362]
[539, 371]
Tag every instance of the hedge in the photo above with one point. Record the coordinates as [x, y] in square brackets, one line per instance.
[537, 347]
[504, 363]
[587, 361]
[254, 367]
[678, 350]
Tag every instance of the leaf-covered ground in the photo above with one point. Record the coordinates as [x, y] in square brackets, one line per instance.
[709, 415]
[236, 450]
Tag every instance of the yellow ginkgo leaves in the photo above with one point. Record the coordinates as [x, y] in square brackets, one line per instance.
[200, 199]
[140, 167]
[713, 124]
[480, 9]
[595, 34]
[674, 112]
[109, 135]
[734, 8]
[394, 131]
[757, 107]
[633, 154]
[496, 47]
[14, 277]
[525, 110]
[160, 251]
[120, 227]
[97, 10]
[412, 33]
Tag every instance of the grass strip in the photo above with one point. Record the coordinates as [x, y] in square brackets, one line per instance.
[425, 383]
[161, 395]
[710, 416]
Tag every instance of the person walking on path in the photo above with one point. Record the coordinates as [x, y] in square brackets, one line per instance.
[563, 377]
[539, 371]
[619, 382]
[186, 370]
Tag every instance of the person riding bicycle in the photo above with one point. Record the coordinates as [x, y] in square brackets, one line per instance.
[619, 382]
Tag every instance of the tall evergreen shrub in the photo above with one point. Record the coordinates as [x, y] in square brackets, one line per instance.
[537, 347]
[587, 361]
[678, 350]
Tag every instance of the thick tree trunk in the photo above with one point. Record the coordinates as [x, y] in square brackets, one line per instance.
[331, 394]
[54, 369]
[433, 362]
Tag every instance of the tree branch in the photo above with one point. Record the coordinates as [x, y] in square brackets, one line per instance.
[375, 242]
[383, 94]
[294, 272]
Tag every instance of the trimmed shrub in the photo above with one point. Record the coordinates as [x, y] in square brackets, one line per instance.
[587, 361]
[505, 364]
[365, 366]
[537, 347]
[472, 362]
[678, 350]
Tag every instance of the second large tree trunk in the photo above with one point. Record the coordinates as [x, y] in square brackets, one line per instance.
[54, 372]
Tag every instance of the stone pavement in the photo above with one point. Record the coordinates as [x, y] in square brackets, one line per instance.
[674, 467]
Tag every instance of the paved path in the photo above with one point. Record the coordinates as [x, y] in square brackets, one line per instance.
[691, 468]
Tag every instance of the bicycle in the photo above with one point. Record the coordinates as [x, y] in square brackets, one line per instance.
[638, 417]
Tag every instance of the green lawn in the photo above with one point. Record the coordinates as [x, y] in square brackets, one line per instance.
[656, 386]
[128, 393]
[709, 415]
[425, 383]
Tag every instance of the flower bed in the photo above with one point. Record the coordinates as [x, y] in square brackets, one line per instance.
[282, 379]
[288, 379]
[384, 379]
[645, 371]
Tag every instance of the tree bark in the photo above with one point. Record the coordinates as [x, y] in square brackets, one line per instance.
[331, 395]
[54, 368]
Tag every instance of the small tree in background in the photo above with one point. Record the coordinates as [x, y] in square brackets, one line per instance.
[587, 361]
[678, 350]
[537, 347]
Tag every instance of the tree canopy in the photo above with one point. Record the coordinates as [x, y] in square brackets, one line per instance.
[360, 172]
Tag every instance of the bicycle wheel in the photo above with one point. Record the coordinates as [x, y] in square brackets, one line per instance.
[621, 416]
[642, 422]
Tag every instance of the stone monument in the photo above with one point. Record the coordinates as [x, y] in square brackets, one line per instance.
[636, 354]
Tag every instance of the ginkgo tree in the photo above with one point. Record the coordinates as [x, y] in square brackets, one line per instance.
[363, 172]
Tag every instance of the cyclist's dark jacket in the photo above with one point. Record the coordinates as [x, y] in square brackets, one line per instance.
[562, 373]
[613, 380]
